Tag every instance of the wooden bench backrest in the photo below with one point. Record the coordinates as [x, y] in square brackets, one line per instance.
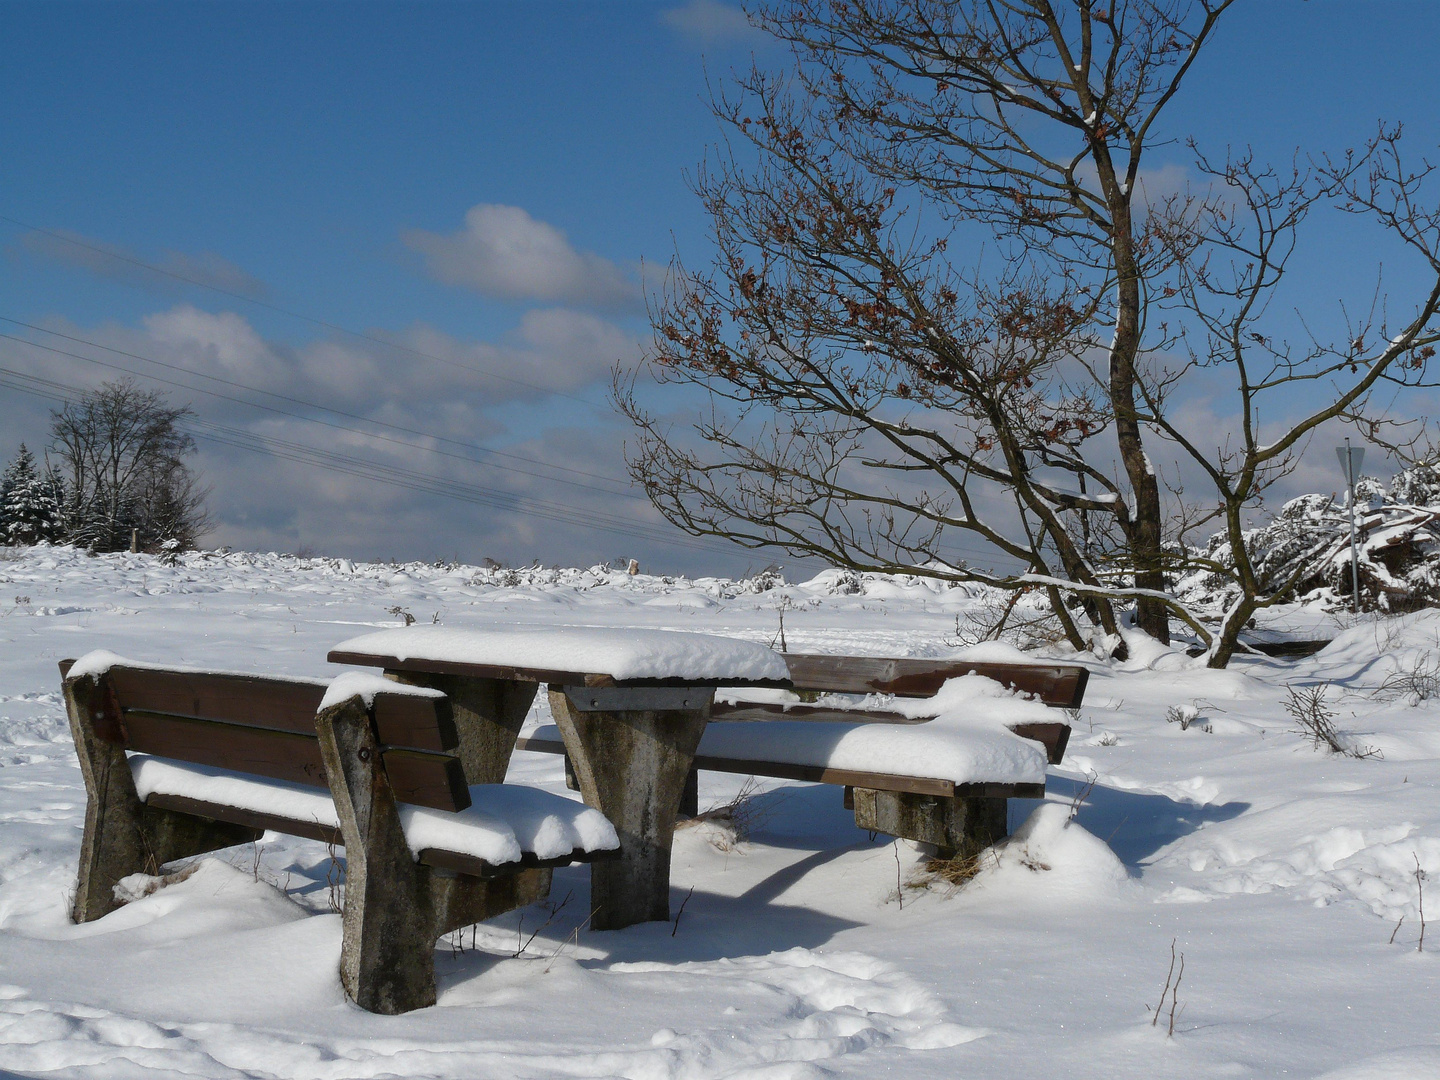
[1061, 686]
[266, 727]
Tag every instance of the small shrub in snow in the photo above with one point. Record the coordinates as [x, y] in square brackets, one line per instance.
[1415, 681]
[1185, 716]
[1315, 720]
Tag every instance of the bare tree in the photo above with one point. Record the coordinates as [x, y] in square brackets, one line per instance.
[1231, 252]
[122, 452]
[867, 398]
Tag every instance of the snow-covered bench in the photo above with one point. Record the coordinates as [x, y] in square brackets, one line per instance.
[929, 750]
[177, 762]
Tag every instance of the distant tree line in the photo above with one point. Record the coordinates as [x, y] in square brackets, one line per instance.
[115, 468]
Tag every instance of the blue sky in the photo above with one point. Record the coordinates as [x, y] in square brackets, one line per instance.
[322, 160]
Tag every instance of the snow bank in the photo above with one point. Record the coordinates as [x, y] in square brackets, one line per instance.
[621, 654]
[503, 822]
[1050, 853]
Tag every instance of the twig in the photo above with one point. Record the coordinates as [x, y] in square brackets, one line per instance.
[1396, 930]
[555, 912]
[1155, 1020]
[899, 885]
[1081, 796]
[574, 936]
[1175, 995]
[676, 928]
[1420, 887]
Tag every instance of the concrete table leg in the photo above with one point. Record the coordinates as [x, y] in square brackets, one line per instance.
[488, 716]
[632, 766]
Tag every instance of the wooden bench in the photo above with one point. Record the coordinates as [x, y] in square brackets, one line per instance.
[959, 819]
[177, 763]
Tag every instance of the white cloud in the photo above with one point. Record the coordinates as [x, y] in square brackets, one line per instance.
[460, 390]
[710, 22]
[503, 251]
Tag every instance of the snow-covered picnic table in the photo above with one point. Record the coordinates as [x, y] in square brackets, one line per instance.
[632, 707]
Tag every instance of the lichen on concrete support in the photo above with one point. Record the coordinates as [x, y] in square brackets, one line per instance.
[632, 766]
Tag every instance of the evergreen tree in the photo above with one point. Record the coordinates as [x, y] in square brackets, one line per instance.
[29, 510]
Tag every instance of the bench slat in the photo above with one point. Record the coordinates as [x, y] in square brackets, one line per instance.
[279, 755]
[441, 859]
[774, 710]
[1057, 685]
[400, 719]
[418, 777]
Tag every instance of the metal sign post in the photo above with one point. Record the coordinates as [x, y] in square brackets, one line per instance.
[1350, 461]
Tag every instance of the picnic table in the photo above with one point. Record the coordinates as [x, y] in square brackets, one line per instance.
[631, 707]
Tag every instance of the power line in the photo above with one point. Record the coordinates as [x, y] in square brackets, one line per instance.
[298, 401]
[119, 256]
[407, 479]
[324, 423]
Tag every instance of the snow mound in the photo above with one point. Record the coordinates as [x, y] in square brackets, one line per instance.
[1050, 854]
[1407, 1063]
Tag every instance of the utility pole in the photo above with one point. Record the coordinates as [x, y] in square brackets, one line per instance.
[1350, 460]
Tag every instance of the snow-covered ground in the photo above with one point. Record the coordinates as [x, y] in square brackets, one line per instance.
[807, 949]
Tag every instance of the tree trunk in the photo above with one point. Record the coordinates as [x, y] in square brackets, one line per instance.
[1144, 535]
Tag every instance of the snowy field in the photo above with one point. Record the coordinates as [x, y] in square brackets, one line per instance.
[808, 948]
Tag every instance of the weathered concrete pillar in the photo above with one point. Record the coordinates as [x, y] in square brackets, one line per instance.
[632, 764]
[488, 716]
[958, 827]
[387, 959]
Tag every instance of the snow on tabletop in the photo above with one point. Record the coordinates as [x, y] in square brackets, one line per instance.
[366, 684]
[503, 821]
[619, 653]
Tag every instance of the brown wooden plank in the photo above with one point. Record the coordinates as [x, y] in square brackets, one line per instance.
[1054, 737]
[278, 704]
[236, 699]
[515, 674]
[1057, 685]
[422, 723]
[65, 666]
[469, 864]
[764, 711]
[425, 779]
[277, 755]
[311, 830]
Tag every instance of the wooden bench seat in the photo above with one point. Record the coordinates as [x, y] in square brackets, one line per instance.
[177, 763]
[791, 735]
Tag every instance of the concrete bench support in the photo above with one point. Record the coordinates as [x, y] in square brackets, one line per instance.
[631, 764]
[958, 826]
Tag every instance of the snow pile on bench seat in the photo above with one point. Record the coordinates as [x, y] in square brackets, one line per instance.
[621, 654]
[366, 684]
[956, 695]
[968, 742]
[947, 748]
[503, 822]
